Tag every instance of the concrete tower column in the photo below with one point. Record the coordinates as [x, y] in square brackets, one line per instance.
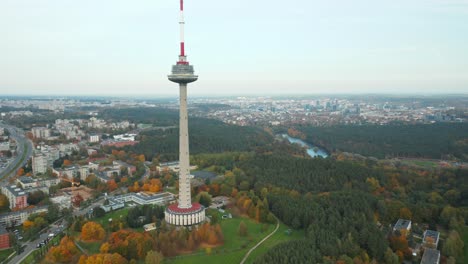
[184, 174]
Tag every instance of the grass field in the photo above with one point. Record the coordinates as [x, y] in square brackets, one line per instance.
[421, 163]
[5, 253]
[279, 237]
[235, 247]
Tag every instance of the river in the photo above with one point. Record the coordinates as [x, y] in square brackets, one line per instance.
[312, 150]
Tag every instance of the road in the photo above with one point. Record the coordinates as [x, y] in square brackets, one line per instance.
[24, 149]
[32, 245]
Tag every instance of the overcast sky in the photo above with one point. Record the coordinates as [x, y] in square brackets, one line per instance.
[118, 47]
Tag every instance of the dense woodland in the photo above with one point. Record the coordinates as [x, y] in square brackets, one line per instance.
[439, 140]
[339, 202]
[206, 136]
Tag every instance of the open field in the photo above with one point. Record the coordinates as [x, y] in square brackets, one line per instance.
[279, 237]
[235, 247]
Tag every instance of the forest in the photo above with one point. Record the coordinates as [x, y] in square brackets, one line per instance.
[206, 136]
[435, 141]
[340, 202]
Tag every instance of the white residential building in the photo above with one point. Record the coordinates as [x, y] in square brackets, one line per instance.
[39, 163]
[40, 132]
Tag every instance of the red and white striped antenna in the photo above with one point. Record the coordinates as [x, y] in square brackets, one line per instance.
[182, 56]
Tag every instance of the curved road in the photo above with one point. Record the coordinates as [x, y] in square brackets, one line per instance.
[24, 148]
[259, 243]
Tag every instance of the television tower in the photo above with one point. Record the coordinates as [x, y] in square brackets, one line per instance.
[184, 212]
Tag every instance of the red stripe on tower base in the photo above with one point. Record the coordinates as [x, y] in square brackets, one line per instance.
[182, 49]
[181, 5]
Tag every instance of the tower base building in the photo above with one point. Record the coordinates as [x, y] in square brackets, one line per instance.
[185, 217]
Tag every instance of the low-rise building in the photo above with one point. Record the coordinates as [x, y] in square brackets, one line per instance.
[4, 238]
[5, 146]
[113, 204]
[430, 256]
[172, 166]
[120, 164]
[16, 196]
[29, 182]
[431, 238]
[17, 218]
[402, 225]
[145, 198]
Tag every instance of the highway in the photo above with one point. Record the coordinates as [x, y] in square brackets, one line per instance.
[23, 153]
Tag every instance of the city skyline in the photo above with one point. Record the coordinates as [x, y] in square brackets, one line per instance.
[303, 47]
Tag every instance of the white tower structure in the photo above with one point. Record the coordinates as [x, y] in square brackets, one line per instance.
[184, 212]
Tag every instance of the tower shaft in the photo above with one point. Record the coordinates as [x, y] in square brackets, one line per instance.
[184, 174]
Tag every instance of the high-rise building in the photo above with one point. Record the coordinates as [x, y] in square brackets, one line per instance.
[39, 163]
[184, 212]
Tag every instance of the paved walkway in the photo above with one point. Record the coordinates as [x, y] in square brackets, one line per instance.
[259, 243]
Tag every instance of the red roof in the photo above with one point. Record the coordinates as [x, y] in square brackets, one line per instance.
[175, 208]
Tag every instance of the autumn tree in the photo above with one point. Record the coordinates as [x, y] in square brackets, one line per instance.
[103, 258]
[77, 199]
[92, 231]
[65, 252]
[20, 172]
[154, 257]
[112, 185]
[4, 203]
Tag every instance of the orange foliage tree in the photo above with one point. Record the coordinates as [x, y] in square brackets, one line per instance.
[112, 185]
[20, 172]
[103, 259]
[92, 231]
[65, 252]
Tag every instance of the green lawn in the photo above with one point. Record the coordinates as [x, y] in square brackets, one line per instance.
[235, 247]
[119, 214]
[421, 163]
[5, 253]
[280, 236]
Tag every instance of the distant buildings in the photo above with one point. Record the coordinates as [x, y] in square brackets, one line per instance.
[40, 132]
[94, 138]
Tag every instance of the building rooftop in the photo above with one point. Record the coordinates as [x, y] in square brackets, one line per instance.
[431, 236]
[25, 179]
[15, 190]
[430, 256]
[402, 224]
